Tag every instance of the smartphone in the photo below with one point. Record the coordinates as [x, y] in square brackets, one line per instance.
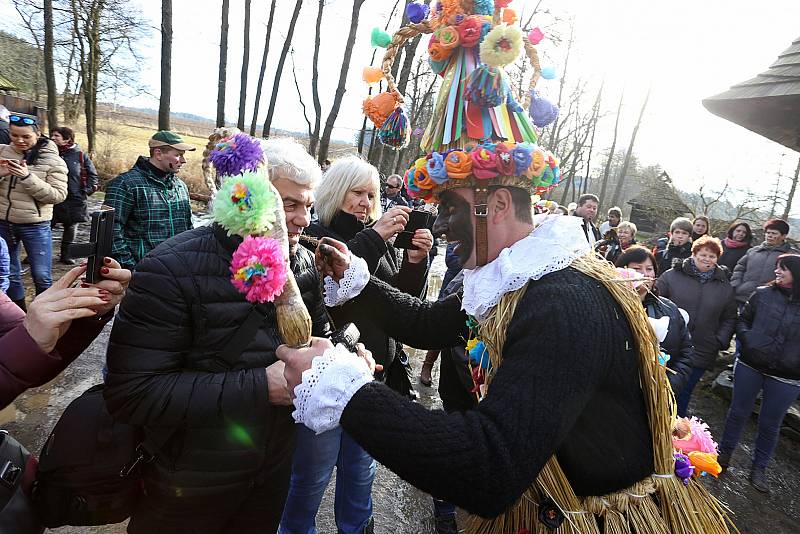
[101, 238]
[417, 220]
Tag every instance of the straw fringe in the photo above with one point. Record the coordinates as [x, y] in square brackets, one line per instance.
[659, 504]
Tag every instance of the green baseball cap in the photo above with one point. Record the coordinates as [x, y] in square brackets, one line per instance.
[170, 139]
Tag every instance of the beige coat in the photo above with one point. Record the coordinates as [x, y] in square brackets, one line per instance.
[31, 200]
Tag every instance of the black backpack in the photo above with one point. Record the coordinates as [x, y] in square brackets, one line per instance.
[90, 466]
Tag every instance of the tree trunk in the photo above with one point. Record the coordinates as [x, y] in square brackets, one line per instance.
[314, 141]
[245, 65]
[254, 122]
[792, 191]
[628, 154]
[91, 71]
[337, 101]
[49, 70]
[607, 170]
[279, 71]
[223, 65]
[595, 118]
[166, 65]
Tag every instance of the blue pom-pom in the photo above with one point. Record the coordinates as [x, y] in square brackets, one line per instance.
[548, 73]
[417, 12]
[542, 111]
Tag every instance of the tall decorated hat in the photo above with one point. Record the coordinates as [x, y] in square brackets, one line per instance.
[479, 136]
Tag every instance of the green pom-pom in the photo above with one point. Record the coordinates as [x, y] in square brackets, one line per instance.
[380, 38]
[245, 204]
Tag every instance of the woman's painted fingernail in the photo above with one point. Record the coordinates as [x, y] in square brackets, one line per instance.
[104, 270]
[85, 285]
[107, 261]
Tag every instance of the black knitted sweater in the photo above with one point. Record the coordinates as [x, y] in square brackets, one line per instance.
[568, 384]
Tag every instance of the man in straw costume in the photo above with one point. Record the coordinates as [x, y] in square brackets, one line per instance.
[573, 430]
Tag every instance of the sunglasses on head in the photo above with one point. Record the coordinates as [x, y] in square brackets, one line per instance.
[390, 186]
[28, 121]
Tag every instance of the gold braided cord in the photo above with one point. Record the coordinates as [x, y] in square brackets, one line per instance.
[659, 504]
[398, 40]
[533, 58]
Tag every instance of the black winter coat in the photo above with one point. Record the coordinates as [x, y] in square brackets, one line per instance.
[731, 256]
[180, 311]
[568, 385]
[382, 261]
[672, 255]
[711, 307]
[74, 208]
[769, 330]
[678, 343]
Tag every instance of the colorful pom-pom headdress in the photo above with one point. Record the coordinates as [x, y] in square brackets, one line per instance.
[479, 136]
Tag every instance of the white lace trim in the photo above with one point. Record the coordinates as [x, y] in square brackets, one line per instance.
[554, 244]
[353, 281]
[327, 387]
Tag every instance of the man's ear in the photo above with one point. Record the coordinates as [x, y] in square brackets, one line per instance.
[501, 205]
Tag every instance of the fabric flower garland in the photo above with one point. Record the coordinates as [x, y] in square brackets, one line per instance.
[258, 269]
[245, 204]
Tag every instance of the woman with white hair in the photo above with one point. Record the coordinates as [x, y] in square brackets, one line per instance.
[348, 207]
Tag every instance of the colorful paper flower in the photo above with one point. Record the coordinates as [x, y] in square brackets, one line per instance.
[372, 75]
[535, 36]
[437, 51]
[538, 163]
[416, 12]
[380, 38]
[245, 204]
[501, 46]
[470, 31]
[509, 16]
[237, 154]
[522, 158]
[458, 164]
[436, 168]
[258, 269]
[448, 37]
[504, 161]
[484, 7]
[483, 164]
[378, 108]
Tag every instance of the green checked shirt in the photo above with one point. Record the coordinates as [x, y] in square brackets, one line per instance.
[149, 209]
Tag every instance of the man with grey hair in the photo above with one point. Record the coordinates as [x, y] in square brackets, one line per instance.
[5, 137]
[392, 197]
[212, 398]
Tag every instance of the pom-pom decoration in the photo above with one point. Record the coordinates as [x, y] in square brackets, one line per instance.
[258, 269]
[380, 38]
[416, 12]
[509, 16]
[486, 87]
[696, 439]
[395, 131]
[683, 468]
[378, 108]
[245, 204]
[548, 73]
[484, 7]
[501, 46]
[417, 132]
[542, 111]
[535, 36]
[372, 75]
[237, 154]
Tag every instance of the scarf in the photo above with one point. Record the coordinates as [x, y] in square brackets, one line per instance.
[703, 277]
[732, 243]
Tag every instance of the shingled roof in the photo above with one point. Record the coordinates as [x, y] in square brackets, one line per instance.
[768, 104]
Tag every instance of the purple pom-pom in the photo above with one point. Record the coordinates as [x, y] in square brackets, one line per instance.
[237, 154]
[417, 12]
[542, 111]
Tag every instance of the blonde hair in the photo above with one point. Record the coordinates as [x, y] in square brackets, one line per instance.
[629, 225]
[343, 176]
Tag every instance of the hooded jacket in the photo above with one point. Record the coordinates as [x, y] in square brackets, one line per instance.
[711, 307]
[756, 268]
[671, 255]
[30, 200]
[74, 208]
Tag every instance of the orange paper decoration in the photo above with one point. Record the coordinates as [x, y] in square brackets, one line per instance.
[372, 75]
[378, 108]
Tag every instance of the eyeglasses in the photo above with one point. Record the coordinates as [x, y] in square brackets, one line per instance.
[389, 186]
[28, 121]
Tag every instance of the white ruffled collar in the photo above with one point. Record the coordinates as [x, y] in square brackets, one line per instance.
[554, 244]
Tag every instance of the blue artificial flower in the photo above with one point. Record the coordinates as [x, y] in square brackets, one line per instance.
[522, 155]
[436, 168]
[484, 7]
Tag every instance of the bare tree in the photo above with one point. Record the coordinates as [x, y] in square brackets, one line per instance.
[300, 95]
[245, 66]
[254, 122]
[790, 197]
[314, 134]
[166, 65]
[279, 71]
[28, 11]
[223, 65]
[340, 89]
[611, 152]
[624, 171]
[49, 69]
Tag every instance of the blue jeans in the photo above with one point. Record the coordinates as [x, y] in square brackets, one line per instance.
[683, 398]
[777, 398]
[38, 241]
[312, 466]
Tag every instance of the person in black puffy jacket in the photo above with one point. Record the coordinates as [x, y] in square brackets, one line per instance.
[229, 433]
[678, 343]
[679, 246]
[769, 330]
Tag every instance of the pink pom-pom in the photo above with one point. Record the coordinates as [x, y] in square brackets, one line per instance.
[535, 36]
[258, 269]
[699, 440]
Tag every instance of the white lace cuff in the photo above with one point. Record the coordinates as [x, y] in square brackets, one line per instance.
[354, 280]
[327, 387]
